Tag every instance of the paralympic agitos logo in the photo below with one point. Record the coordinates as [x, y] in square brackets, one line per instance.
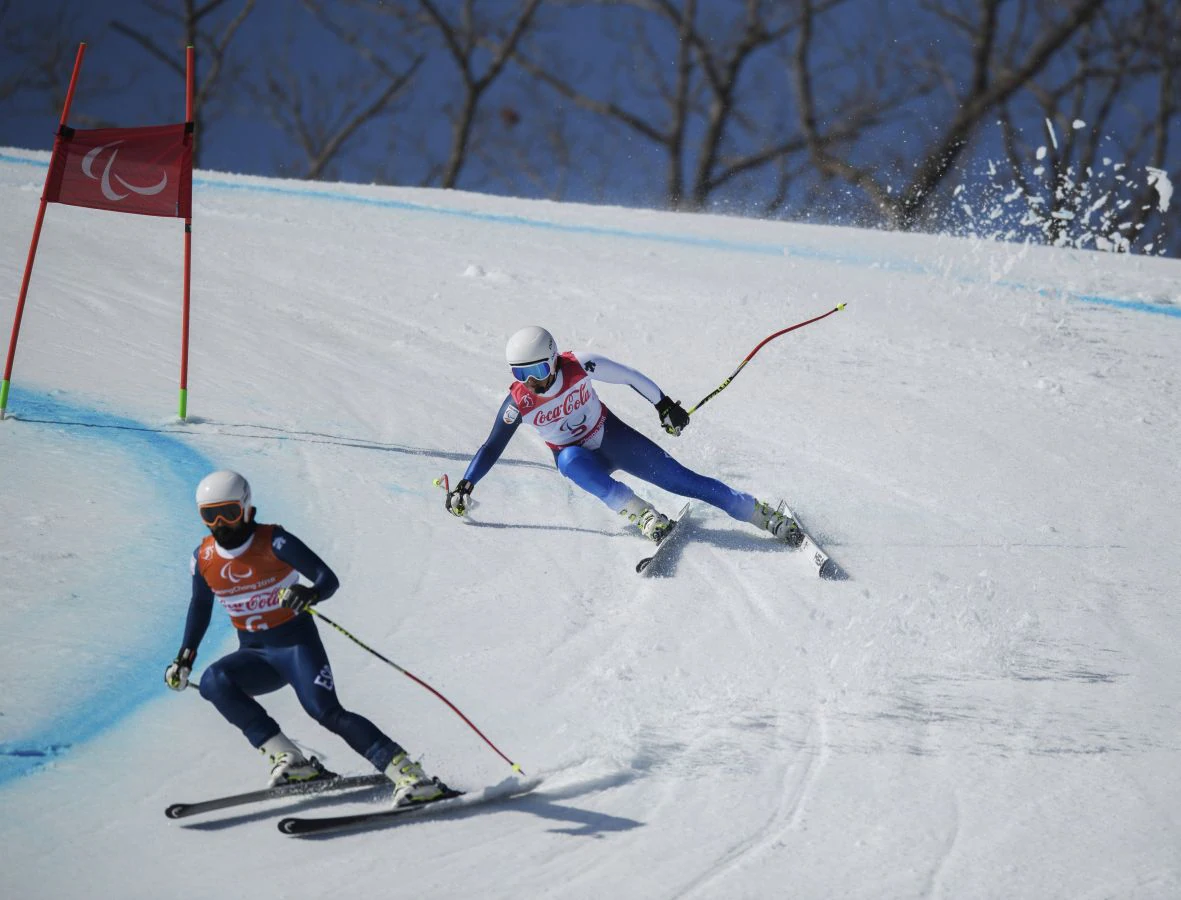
[228, 573]
[88, 164]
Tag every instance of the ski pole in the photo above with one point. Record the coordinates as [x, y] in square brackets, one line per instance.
[415, 678]
[750, 355]
[445, 483]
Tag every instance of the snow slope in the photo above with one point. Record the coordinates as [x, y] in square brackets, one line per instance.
[986, 439]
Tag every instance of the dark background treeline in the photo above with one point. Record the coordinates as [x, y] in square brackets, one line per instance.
[1020, 119]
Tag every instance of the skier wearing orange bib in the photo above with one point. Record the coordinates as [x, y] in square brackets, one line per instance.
[254, 571]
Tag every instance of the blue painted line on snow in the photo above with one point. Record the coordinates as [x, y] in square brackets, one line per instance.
[135, 669]
[708, 243]
[1134, 305]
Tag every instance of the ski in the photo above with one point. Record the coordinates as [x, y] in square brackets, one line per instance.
[826, 567]
[295, 789]
[452, 800]
[670, 537]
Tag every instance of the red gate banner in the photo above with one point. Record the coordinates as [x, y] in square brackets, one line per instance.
[147, 171]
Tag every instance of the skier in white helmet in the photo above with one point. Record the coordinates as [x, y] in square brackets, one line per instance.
[553, 393]
[254, 570]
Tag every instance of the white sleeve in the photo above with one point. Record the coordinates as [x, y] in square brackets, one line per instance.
[600, 368]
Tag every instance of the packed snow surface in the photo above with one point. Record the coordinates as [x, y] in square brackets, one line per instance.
[986, 438]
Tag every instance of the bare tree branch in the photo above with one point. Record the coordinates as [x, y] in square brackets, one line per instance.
[168, 59]
[209, 44]
[463, 41]
[1094, 184]
[38, 47]
[324, 119]
[988, 87]
[701, 96]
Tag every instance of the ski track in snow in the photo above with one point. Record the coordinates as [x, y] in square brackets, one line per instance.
[793, 787]
[934, 886]
[756, 615]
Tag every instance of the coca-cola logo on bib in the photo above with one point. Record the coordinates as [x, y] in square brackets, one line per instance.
[263, 601]
[570, 403]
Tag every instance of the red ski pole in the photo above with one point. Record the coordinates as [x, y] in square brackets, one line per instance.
[750, 355]
[415, 678]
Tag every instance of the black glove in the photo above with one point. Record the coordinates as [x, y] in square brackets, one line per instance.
[298, 597]
[672, 416]
[458, 498]
[176, 676]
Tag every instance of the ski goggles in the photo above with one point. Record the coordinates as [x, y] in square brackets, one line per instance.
[540, 370]
[227, 513]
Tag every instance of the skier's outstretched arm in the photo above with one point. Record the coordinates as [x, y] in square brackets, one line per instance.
[672, 416]
[291, 550]
[600, 368]
[507, 419]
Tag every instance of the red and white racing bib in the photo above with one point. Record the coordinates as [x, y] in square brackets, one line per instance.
[574, 414]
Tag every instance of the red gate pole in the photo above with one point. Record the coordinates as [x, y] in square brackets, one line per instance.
[20, 303]
[184, 326]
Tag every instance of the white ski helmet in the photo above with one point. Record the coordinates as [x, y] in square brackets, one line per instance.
[532, 353]
[223, 487]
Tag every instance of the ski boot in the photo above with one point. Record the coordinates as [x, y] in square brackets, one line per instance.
[782, 527]
[652, 524]
[288, 764]
[411, 784]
